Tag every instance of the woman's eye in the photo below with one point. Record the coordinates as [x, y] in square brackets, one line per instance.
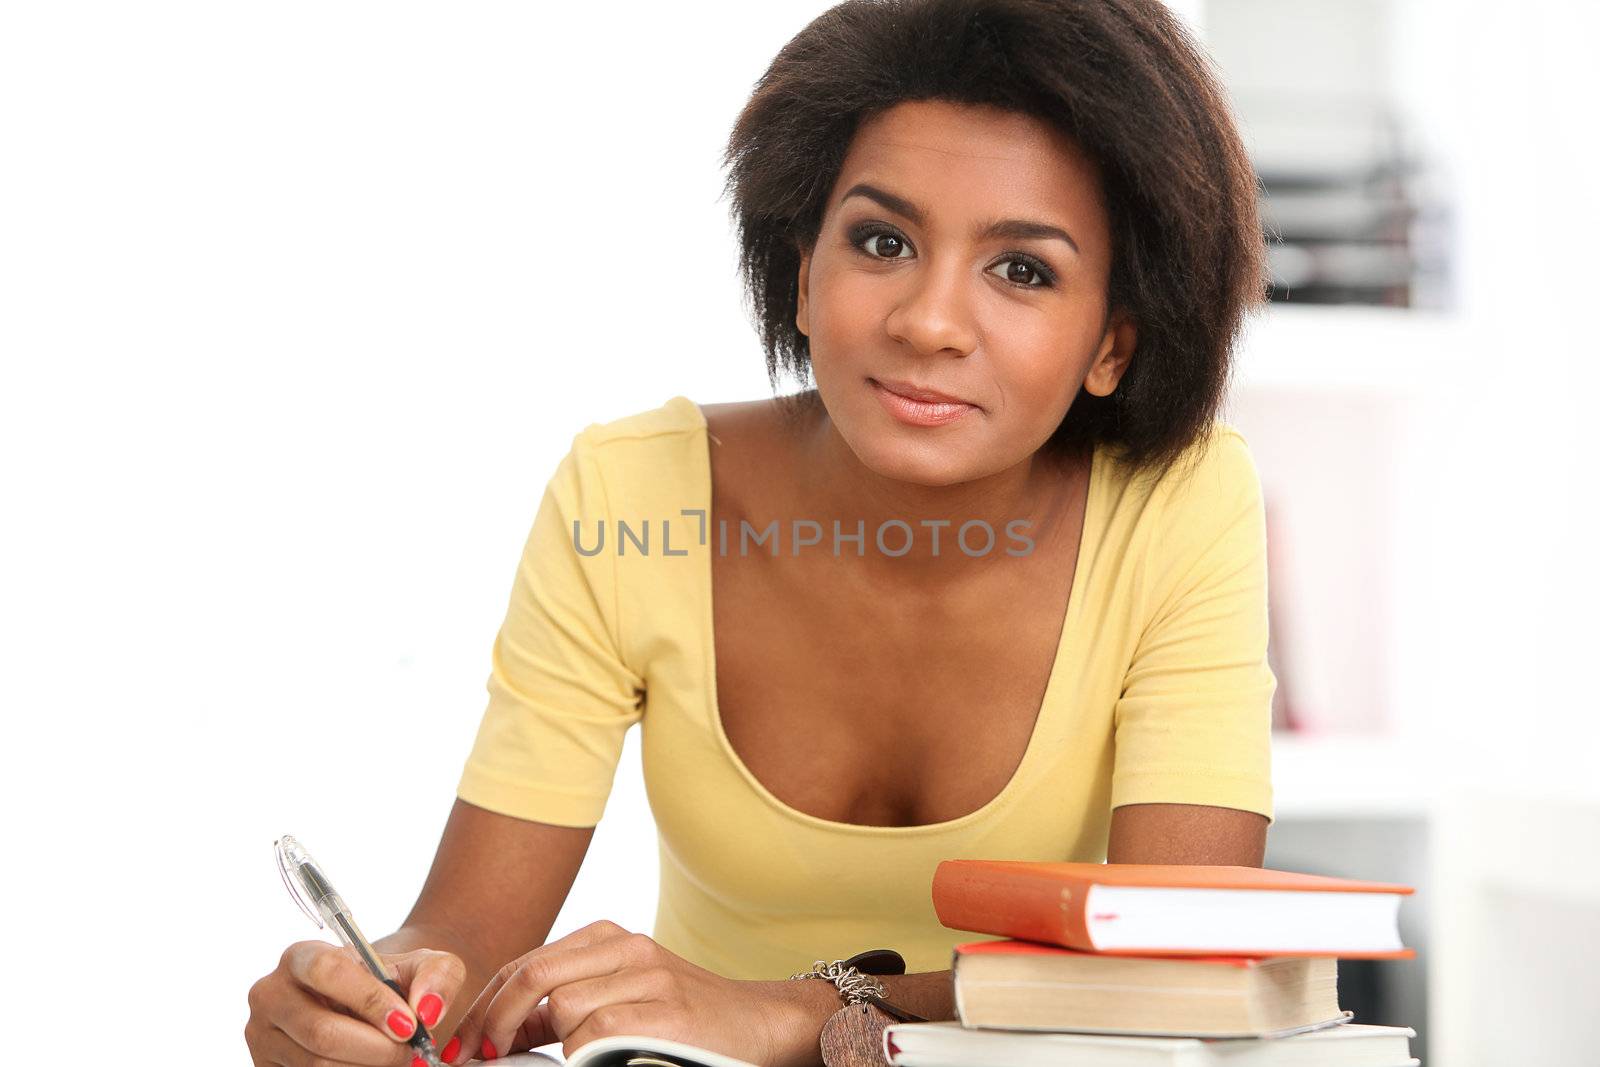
[888, 245]
[1041, 278]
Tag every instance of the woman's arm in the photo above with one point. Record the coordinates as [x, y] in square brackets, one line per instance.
[1186, 833]
[495, 889]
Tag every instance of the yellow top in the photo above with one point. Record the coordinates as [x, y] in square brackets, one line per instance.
[1160, 692]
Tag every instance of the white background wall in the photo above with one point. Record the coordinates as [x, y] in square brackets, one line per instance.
[299, 306]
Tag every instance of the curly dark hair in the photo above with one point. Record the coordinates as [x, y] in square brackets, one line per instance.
[1123, 79]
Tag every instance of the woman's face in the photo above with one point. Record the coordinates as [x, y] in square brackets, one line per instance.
[906, 289]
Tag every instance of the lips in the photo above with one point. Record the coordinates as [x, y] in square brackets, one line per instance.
[916, 392]
[924, 413]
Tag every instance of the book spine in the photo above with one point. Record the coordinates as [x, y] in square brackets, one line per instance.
[1012, 904]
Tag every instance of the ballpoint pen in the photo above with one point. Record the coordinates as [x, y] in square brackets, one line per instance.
[317, 898]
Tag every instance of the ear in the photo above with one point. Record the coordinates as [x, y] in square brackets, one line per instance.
[802, 318]
[1116, 352]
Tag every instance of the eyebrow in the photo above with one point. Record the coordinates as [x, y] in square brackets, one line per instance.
[1016, 229]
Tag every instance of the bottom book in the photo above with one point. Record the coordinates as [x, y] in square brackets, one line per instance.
[949, 1044]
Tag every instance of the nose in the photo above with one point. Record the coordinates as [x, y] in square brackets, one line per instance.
[934, 312]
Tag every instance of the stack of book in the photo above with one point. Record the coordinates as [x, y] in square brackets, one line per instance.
[1155, 966]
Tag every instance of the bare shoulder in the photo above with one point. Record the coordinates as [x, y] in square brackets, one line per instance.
[744, 420]
[754, 431]
[752, 454]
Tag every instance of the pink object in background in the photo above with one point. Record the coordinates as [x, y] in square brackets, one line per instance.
[1328, 480]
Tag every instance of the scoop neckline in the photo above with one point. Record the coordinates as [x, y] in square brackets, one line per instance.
[1029, 753]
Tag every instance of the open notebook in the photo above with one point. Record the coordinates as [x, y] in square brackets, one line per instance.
[624, 1051]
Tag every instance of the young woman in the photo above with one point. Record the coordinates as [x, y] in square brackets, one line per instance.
[994, 587]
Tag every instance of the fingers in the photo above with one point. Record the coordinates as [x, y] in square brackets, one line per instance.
[277, 1047]
[536, 1030]
[540, 974]
[274, 1048]
[570, 1005]
[475, 1032]
[338, 975]
[432, 980]
[320, 1034]
[614, 1019]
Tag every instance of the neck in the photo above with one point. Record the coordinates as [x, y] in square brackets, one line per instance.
[1023, 505]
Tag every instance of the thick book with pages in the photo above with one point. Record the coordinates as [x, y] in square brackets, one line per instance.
[1020, 985]
[948, 1044]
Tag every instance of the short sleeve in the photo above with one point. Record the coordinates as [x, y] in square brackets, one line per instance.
[1194, 721]
[561, 698]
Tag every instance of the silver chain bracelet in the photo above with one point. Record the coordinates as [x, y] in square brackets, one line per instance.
[854, 987]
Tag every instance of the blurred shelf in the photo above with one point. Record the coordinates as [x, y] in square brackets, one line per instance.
[1348, 776]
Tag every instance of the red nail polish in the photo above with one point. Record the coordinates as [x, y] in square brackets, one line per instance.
[418, 1061]
[430, 1008]
[451, 1049]
[488, 1050]
[401, 1023]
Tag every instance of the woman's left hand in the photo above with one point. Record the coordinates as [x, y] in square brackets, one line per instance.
[603, 980]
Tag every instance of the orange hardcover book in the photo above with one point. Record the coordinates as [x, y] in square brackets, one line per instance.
[1141, 909]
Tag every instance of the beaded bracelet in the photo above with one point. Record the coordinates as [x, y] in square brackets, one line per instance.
[853, 1035]
[854, 987]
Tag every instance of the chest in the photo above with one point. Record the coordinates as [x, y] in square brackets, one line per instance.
[860, 695]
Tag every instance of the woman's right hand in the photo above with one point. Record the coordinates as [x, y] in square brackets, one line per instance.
[322, 1007]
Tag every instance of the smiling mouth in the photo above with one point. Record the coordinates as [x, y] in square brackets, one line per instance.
[920, 412]
[917, 393]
